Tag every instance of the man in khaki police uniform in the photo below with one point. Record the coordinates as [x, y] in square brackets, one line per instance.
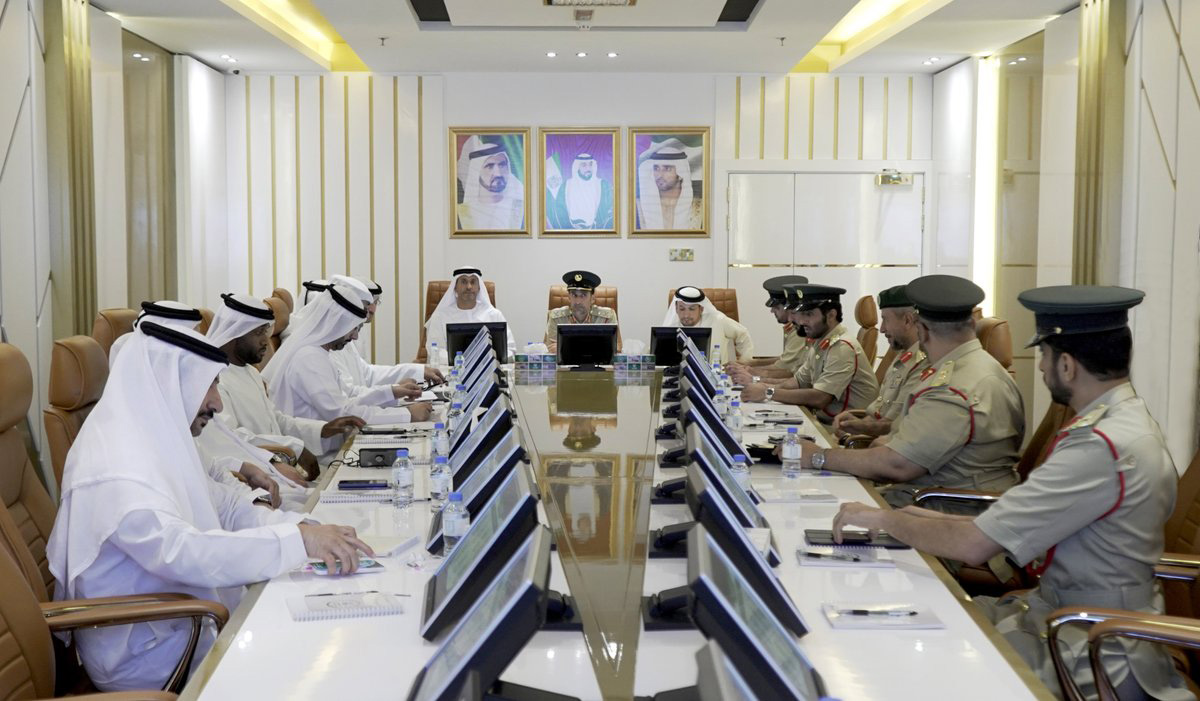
[898, 322]
[1095, 508]
[581, 288]
[784, 366]
[962, 427]
[835, 375]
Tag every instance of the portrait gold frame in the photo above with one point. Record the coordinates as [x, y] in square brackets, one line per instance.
[452, 149]
[614, 232]
[706, 167]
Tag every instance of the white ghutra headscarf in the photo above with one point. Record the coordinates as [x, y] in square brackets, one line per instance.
[237, 316]
[335, 313]
[692, 295]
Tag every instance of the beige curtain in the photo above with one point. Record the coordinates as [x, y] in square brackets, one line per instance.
[149, 170]
[1098, 140]
[69, 151]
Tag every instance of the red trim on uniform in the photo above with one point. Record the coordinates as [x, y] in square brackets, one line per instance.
[927, 372]
[913, 398]
[1111, 448]
[1120, 497]
[846, 396]
[1037, 570]
[904, 358]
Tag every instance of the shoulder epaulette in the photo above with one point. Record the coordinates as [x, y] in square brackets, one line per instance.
[1089, 419]
[943, 374]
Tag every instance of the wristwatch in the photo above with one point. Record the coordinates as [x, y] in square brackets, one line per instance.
[770, 394]
[818, 460]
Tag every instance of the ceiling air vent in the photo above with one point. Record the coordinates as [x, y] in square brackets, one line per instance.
[591, 3]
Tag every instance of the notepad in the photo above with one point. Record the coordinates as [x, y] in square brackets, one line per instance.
[824, 556]
[366, 565]
[381, 496]
[775, 493]
[849, 615]
[326, 607]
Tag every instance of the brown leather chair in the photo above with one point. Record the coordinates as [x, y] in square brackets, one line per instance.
[28, 659]
[605, 296]
[282, 317]
[78, 373]
[206, 319]
[285, 295]
[110, 324]
[723, 298]
[995, 336]
[434, 291]
[866, 315]
[30, 510]
[884, 363]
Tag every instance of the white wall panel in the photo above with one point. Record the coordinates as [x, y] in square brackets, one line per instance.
[411, 314]
[773, 117]
[382, 343]
[108, 159]
[432, 174]
[748, 101]
[262, 222]
[309, 174]
[874, 118]
[237, 201]
[336, 86]
[848, 132]
[14, 56]
[1160, 52]
[724, 114]
[284, 172]
[41, 183]
[799, 124]
[823, 113]
[761, 215]
[358, 169]
[896, 97]
[201, 191]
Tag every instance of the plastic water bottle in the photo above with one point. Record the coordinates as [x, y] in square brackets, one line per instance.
[455, 522]
[402, 480]
[791, 453]
[440, 445]
[459, 395]
[439, 482]
[454, 417]
[721, 402]
[460, 363]
[437, 354]
[741, 473]
[716, 354]
[734, 421]
[726, 383]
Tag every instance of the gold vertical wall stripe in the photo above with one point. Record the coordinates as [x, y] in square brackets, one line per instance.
[321, 129]
[274, 230]
[860, 117]
[396, 208]
[908, 149]
[812, 111]
[249, 201]
[299, 242]
[787, 115]
[737, 117]
[420, 207]
[346, 162]
[837, 91]
[371, 186]
[885, 116]
[762, 117]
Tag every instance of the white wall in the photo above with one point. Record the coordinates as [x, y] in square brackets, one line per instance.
[200, 196]
[24, 207]
[954, 162]
[1161, 214]
[108, 158]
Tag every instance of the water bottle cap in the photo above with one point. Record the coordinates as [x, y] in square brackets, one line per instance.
[791, 429]
[461, 387]
[434, 343]
[455, 496]
[402, 453]
[439, 426]
[736, 403]
[739, 458]
[720, 391]
[457, 355]
[456, 405]
[442, 459]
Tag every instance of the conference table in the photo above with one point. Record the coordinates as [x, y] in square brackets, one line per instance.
[590, 441]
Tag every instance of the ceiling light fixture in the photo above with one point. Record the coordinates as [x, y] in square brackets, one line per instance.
[1020, 58]
[927, 63]
[1012, 63]
[137, 55]
[224, 55]
[551, 54]
[612, 54]
[145, 58]
[581, 54]
[233, 60]
[934, 59]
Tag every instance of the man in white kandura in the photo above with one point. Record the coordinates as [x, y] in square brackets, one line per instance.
[690, 307]
[665, 199]
[304, 381]
[139, 515]
[241, 328]
[358, 375]
[311, 290]
[465, 301]
[169, 313]
[492, 197]
[589, 197]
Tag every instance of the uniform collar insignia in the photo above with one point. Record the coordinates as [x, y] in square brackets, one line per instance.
[944, 373]
[925, 375]
[905, 358]
[1088, 419]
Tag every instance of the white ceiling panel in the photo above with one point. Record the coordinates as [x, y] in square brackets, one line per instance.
[535, 13]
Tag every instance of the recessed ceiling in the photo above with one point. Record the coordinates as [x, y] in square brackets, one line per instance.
[535, 13]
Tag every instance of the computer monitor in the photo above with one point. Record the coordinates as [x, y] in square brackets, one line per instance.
[500, 623]
[718, 678]
[728, 609]
[695, 370]
[696, 407]
[491, 427]
[459, 337]
[665, 345]
[481, 485]
[475, 399]
[484, 373]
[498, 531]
[586, 344]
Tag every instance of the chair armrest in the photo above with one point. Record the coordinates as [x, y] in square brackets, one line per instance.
[935, 493]
[1180, 560]
[57, 608]
[84, 616]
[1176, 573]
[1080, 615]
[127, 696]
[1165, 630]
[858, 441]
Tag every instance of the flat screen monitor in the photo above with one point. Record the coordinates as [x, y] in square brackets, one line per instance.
[483, 371]
[715, 464]
[491, 540]
[481, 485]
[510, 610]
[665, 344]
[475, 399]
[488, 431]
[728, 609]
[459, 337]
[586, 344]
[717, 678]
[696, 407]
[699, 374]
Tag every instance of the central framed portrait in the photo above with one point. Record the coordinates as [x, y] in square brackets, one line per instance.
[668, 173]
[580, 186]
[489, 170]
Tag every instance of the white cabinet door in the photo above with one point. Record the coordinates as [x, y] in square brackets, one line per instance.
[760, 214]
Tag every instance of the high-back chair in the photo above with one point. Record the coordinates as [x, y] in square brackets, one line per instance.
[206, 319]
[723, 298]
[604, 296]
[111, 324]
[282, 317]
[434, 291]
[885, 362]
[866, 315]
[78, 373]
[285, 295]
[995, 336]
[30, 512]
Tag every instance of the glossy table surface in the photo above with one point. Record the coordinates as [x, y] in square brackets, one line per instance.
[590, 437]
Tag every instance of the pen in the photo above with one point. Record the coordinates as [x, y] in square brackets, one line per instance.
[341, 593]
[876, 612]
[833, 556]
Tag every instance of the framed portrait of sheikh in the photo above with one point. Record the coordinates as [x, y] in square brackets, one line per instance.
[669, 176]
[579, 181]
[488, 175]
